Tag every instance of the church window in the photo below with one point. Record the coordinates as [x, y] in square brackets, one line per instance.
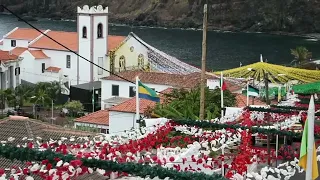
[68, 61]
[122, 63]
[100, 30]
[13, 43]
[140, 60]
[84, 32]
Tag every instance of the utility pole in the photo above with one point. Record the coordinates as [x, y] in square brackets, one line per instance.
[253, 86]
[266, 82]
[52, 111]
[203, 61]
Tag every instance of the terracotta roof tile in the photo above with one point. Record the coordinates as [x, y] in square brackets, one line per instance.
[130, 105]
[24, 33]
[174, 80]
[68, 39]
[100, 117]
[114, 41]
[18, 50]
[38, 54]
[6, 56]
[19, 129]
[242, 101]
[53, 69]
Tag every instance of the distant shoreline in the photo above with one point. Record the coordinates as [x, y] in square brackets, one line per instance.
[311, 36]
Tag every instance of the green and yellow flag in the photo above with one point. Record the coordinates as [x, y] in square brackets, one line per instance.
[304, 153]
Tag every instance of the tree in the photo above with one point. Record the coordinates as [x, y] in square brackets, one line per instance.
[301, 55]
[184, 104]
[41, 97]
[53, 89]
[74, 107]
[23, 92]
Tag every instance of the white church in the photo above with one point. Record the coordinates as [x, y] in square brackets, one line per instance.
[44, 60]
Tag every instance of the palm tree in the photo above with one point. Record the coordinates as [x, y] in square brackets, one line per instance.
[53, 89]
[2, 100]
[41, 97]
[183, 104]
[301, 55]
[23, 92]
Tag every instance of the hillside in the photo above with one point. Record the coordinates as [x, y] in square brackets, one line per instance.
[298, 16]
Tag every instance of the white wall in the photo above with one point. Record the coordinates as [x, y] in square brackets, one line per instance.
[12, 64]
[99, 45]
[19, 43]
[59, 59]
[121, 121]
[84, 47]
[106, 89]
[28, 69]
[91, 125]
[213, 83]
[31, 69]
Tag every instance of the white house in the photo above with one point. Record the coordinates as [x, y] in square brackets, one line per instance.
[45, 60]
[117, 118]
[98, 121]
[113, 86]
[9, 70]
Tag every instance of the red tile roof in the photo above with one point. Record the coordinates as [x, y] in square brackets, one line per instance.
[100, 117]
[18, 50]
[38, 54]
[6, 56]
[115, 41]
[242, 101]
[53, 69]
[24, 33]
[130, 105]
[174, 80]
[68, 39]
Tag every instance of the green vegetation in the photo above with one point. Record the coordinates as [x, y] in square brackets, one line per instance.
[299, 16]
[186, 104]
[74, 107]
[87, 128]
[301, 55]
[42, 93]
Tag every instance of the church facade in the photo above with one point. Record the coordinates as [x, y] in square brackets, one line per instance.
[46, 60]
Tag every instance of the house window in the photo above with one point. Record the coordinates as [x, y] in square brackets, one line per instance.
[84, 32]
[43, 67]
[140, 60]
[68, 61]
[107, 131]
[115, 90]
[122, 63]
[132, 91]
[13, 43]
[100, 30]
[17, 71]
[104, 131]
[100, 63]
